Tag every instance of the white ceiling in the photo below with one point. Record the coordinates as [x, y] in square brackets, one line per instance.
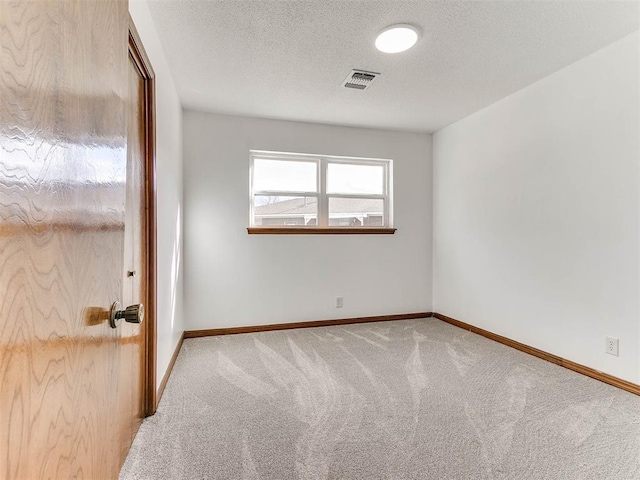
[287, 59]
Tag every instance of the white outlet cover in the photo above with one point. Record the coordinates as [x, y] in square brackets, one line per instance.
[339, 302]
[612, 346]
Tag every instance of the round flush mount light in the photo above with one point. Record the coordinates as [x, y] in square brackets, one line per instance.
[397, 38]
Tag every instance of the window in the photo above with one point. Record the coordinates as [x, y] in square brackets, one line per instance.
[319, 193]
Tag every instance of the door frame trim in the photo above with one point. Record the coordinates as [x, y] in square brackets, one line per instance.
[141, 59]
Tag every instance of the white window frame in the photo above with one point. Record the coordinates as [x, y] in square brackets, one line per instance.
[322, 162]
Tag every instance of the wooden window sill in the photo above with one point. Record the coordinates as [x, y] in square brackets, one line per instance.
[319, 231]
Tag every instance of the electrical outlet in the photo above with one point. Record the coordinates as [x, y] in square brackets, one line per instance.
[339, 302]
[612, 345]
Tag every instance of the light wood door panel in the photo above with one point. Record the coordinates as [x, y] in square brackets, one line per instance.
[64, 71]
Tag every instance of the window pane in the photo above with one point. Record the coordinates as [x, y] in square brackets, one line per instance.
[356, 212]
[285, 211]
[288, 176]
[354, 179]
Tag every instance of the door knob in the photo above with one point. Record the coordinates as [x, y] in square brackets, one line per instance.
[131, 314]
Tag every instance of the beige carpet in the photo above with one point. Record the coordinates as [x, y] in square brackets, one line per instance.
[415, 399]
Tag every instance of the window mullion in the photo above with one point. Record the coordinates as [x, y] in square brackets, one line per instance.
[323, 202]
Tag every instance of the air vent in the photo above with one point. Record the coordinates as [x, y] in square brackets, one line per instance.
[359, 79]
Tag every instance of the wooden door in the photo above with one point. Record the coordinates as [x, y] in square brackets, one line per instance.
[64, 71]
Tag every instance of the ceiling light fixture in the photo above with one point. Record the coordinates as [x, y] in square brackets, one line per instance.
[397, 38]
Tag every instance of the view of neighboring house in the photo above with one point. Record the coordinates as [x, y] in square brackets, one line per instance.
[343, 212]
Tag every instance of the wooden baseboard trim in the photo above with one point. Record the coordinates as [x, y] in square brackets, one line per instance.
[315, 323]
[165, 378]
[576, 367]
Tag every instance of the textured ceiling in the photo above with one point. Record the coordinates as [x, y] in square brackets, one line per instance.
[286, 59]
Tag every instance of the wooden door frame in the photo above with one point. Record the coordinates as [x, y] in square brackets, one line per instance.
[141, 59]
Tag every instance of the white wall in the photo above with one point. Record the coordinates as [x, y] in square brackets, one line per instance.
[236, 279]
[536, 206]
[169, 191]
